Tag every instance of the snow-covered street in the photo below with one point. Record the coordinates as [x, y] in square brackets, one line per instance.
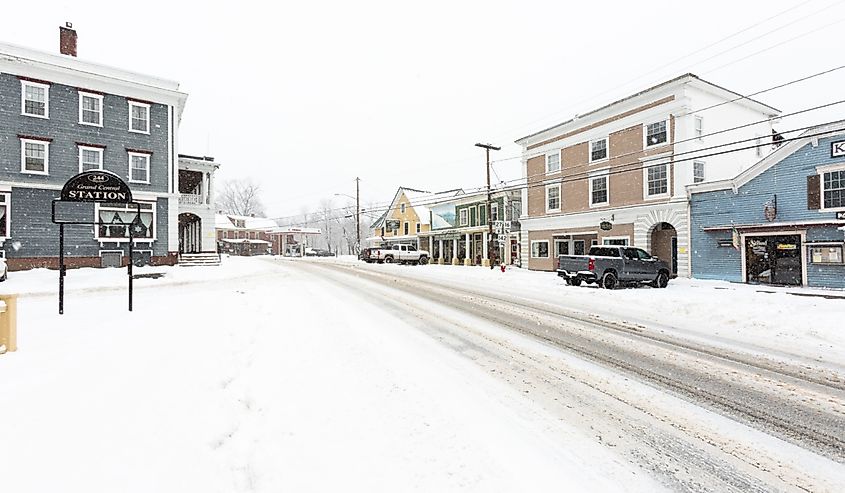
[259, 376]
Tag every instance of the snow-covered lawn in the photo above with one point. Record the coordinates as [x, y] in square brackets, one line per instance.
[256, 377]
[751, 318]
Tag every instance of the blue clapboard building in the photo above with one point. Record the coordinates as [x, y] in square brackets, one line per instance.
[781, 222]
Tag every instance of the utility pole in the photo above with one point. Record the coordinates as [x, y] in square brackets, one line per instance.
[487, 148]
[358, 215]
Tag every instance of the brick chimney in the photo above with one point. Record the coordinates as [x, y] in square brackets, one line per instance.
[67, 39]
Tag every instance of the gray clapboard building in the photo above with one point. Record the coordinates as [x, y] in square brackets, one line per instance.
[59, 116]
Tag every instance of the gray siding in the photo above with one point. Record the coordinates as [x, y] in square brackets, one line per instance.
[787, 179]
[64, 128]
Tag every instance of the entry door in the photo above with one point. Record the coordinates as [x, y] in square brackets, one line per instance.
[561, 248]
[674, 255]
[774, 260]
[578, 247]
[478, 243]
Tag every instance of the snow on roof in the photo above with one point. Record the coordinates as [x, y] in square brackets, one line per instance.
[253, 242]
[293, 230]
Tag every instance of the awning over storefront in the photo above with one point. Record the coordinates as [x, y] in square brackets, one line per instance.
[251, 242]
[787, 224]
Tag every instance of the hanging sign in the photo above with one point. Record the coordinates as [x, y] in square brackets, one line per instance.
[606, 225]
[96, 186]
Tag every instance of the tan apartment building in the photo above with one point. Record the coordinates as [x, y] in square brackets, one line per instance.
[617, 175]
[406, 217]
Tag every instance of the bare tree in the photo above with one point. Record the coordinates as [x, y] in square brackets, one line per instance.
[240, 197]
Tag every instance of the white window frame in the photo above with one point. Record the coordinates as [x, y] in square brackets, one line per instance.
[646, 145]
[604, 240]
[558, 241]
[7, 201]
[668, 193]
[46, 87]
[463, 216]
[603, 173]
[140, 105]
[129, 208]
[821, 170]
[149, 165]
[606, 150]
[46, 145]
[703, 171]
[84, 94]
[559, 197]
[494, 211]
[559, 162]
[99, 150]
[698, 127]
[548, 253]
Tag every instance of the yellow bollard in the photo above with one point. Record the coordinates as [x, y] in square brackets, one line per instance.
[9, 322]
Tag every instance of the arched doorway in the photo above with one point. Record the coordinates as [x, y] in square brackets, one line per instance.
[664, 244]
[190, 233]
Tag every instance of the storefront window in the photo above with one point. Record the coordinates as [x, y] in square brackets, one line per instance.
[540, 249]
[115, 220]
[827, 254]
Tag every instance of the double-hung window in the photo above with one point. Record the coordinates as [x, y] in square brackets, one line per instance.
[553, 198]
[114, 221]
[464, 217]
[139, 167]
[90, 109]
[494, 211]
[656, 133]
[657, 180]
[139, 117]
[598, 150]
[35, 99]
[697, 171]
[553, 162]
[35, 156]
[599, 189]
[833, 189]
[90, 158]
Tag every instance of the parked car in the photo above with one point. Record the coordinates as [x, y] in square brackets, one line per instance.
[614, 266]
[4, 269]
[318, 252]
[403, 254]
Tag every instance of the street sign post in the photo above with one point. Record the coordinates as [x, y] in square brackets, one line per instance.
[96, 186]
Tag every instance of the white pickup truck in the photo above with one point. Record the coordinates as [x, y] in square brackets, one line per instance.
[403, 254]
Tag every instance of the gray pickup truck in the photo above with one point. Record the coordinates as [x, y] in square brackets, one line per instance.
[614, 266]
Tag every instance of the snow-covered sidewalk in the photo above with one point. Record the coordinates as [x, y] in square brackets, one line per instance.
[756, 319]
[255, 377]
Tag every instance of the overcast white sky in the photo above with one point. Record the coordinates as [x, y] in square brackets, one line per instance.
[302, 97]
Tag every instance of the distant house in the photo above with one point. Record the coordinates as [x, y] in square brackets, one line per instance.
[407, 216]
[196, 205]
[781, 222]
[244, 235]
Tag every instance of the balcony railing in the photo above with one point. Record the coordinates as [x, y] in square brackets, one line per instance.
[190, 199]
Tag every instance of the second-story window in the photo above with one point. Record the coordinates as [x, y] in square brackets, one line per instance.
[139, 167]
[35, 99]
[406, 230]
[418, 227]
[553, 198]
[90, 109]
[656, 133]
[553, 162]
[139, 117]
[598, 150]
[494, 211]
[464, 217]
[90, 158]
[35, 156]
[598, 189]
[699, 127]
[657, 180]
[697, 171]
[833, 189]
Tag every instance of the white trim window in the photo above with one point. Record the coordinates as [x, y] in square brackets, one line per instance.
[494, 211]
[139, 117]
[553, 198]
[479, 211]
[114, 221]
[616, 240]
[540, 249]
[5, 206]
[463, 215]
[139, 167]
[656, 134]
[599, 188]
[698, 175]
[90, 109]
[553, 162]
[656, 181]
[598, 150]
[90, 158]
[35, 99]
[698, 129]
[35, 157]
[833, 189]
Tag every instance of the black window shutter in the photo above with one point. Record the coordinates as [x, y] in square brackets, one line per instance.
[814, 195]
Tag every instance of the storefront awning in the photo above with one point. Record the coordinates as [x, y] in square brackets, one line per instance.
[785, 224]
[251, 242]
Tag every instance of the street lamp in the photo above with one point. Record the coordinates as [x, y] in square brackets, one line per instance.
[357, 199]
